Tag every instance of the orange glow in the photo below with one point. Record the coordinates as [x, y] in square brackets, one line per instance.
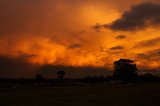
[63, 34]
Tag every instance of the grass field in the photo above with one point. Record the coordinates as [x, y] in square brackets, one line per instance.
[111, 95]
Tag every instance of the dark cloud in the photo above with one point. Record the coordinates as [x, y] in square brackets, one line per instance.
[117, 48]
[16, 67]
[149, 59]
[25, 56]
[98, 27]
[120, 37]
[150, 55]
[74, 46]
[148, 43]
[138, 18]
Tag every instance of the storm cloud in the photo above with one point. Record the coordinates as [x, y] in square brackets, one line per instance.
[138, 17]
[34, 33]
[18, 68]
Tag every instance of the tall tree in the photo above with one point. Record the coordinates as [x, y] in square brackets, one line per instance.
[125, 69]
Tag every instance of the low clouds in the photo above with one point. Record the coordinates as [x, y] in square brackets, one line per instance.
[16, 67]
[58, 32]
[120, 37]
[97, 27]
[139, 17]
[74, 46]
[149, 60]
[117, 48]
[148, 43]
[150, 55]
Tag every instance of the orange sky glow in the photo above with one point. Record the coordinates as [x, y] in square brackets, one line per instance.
[72, 33]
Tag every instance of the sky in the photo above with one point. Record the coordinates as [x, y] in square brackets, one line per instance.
[79, 36]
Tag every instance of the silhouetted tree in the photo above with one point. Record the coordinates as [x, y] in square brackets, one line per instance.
[39, 77]
[61, 74]
[148, 77]
[125, 69]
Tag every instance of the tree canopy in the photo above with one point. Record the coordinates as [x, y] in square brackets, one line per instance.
[61, 74]
[125, 69]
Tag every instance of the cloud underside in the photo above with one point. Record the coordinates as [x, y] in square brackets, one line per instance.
[58, 32]
[148, 43]
[138, 18]
[117, 48]
[150, 55]
[120, 37]
[19, 67]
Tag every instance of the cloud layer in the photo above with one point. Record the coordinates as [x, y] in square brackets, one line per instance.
[148, 43]
[34, 33]
[139, 17]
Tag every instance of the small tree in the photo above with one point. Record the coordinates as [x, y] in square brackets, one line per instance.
[125, 70]
[39, 77]
[61, 74]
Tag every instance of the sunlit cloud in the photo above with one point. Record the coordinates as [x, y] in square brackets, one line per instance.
[79, 33]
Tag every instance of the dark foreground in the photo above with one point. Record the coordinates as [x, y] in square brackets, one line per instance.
[111, 95]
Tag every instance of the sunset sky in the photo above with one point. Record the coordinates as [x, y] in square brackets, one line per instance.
[86, 34]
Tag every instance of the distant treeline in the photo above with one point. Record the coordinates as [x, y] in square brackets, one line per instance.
[89, 80]
[125, 72]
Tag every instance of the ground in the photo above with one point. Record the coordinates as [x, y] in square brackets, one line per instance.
[111, 95]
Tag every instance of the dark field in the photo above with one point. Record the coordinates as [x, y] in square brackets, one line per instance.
[111, 95]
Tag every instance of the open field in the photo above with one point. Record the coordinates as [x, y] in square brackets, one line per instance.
[111, 95]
